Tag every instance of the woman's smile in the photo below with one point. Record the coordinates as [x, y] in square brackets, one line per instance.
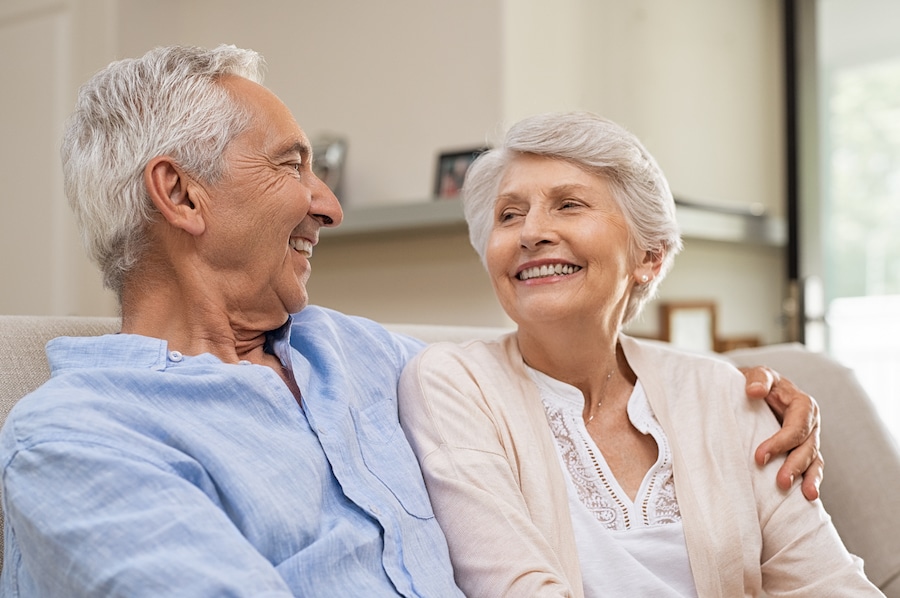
[547, 271]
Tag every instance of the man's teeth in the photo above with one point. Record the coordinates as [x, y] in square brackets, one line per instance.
[548, 270]
[301, 245]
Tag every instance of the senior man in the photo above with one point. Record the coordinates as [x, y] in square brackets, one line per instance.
[231, 440]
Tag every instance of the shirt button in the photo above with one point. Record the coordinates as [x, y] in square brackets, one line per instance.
[175, 356]
[243, 362]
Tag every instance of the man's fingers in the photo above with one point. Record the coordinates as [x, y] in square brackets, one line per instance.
[799, 416]
[799, 429]
[795, 464]
[805, 460]
[759, 381]
[812, 479]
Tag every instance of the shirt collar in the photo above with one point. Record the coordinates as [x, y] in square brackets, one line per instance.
[278, 342]
[125, 350]
[134, 350]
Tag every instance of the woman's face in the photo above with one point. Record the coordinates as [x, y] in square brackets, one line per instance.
[558, 250]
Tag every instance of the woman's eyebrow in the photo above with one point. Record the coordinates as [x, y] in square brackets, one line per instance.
[560, 189]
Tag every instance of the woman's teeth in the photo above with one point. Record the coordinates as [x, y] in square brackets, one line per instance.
[547, 270]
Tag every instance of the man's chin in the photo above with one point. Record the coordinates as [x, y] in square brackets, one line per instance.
[294, 297]
[296, 306]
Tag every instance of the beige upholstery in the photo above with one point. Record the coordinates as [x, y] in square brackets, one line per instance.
[862, 484]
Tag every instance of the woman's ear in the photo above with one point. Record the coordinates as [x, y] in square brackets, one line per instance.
[170, 191]
[650, 265]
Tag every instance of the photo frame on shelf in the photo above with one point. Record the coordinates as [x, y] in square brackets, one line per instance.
[689, 324]
[451, 171]
[731, 343]
[329, 156]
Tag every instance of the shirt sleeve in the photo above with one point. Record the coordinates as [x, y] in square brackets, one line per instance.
[114, 524]
[802, 553]
[474, 486]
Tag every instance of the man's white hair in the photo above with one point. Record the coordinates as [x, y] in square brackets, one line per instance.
[168, 102]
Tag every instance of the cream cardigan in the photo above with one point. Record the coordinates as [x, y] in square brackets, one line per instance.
[476, 423]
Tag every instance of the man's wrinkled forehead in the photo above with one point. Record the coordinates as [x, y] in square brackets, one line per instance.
[269, 117]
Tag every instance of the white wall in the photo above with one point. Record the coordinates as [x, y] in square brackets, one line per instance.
[42, 266]
[700, 82]
[401, 80]
[697, 80]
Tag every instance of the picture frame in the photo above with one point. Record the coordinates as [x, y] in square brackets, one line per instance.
[732, 343]
[451, 171]
[689, 325]
[329, 157]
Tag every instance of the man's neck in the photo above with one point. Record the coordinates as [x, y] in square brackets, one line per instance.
[195, 325]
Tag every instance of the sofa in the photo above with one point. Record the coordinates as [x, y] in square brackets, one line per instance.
[861, 488]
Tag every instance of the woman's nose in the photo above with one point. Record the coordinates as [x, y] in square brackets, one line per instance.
[536, 230]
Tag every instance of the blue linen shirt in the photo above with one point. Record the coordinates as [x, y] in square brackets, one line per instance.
[138, 471]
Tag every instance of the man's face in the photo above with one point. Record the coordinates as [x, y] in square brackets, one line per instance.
[265, 213]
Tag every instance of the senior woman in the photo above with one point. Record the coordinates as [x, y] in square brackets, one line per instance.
[568, 456]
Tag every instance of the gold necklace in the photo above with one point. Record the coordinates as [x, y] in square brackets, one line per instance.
[599, 401]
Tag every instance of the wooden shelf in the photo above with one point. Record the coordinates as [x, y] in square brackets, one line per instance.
[697, 222]
[411, 218]
[722, 224]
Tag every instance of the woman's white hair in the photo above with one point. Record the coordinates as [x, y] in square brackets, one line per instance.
[168, 102]
[601, 147]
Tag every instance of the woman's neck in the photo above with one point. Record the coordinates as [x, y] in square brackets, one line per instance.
[583, 355]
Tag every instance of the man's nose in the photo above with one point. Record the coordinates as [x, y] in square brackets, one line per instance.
[325, 206]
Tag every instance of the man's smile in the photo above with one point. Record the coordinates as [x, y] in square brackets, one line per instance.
[301, 245]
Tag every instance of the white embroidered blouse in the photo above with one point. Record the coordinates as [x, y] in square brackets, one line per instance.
[626, 548]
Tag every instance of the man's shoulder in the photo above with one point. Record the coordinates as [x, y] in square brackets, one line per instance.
[93, 367]
[318, 315]
[331, 334]
[73, 406]
[321, 324]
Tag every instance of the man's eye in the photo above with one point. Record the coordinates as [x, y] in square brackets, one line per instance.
[296, 166]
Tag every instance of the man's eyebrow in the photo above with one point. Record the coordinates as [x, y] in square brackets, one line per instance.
[297, 147]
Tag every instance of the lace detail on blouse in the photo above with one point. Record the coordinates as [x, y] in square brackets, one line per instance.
[597, 489]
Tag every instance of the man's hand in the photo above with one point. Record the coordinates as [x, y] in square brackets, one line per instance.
[799, 435]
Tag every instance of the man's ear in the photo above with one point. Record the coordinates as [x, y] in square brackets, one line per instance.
[170, 191]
